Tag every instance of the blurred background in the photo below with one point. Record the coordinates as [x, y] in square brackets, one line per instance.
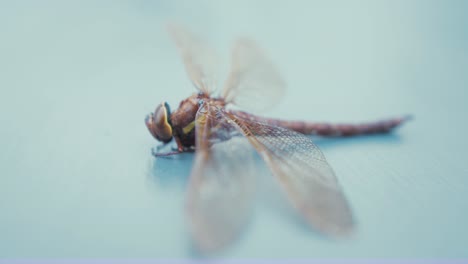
[78, 77]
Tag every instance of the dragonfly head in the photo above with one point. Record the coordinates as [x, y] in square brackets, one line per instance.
[159, 123]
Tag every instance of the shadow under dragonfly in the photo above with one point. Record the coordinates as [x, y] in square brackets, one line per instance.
[176, 166]
[174, 171]
[330, 142]
[171, 171]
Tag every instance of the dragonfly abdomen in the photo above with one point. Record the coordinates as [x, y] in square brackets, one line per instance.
[330, 130]
[327, 129]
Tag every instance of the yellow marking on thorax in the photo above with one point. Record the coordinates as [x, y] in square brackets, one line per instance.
[189, 127]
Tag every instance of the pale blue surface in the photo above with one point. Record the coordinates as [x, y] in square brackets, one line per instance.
[77, 79]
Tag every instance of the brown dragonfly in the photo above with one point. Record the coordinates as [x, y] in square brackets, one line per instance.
[222, 179]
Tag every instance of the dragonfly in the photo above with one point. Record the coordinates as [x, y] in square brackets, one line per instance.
[214, 124]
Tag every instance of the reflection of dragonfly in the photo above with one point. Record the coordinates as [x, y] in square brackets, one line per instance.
[222, 178]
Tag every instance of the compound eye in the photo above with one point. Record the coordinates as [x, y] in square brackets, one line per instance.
[168, 111]
[159, 124]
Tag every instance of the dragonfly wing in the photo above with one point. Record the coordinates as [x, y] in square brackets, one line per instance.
[221, 182]
[253, 82]
[304, 174]
[200, 60]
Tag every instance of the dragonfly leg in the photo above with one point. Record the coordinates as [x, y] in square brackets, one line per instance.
[164, 154]
[180, 147]
[156, 151]
[176, 151]
[167, 154]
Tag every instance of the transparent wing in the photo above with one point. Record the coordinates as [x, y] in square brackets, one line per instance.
[221, 182]
[200, 60]
[304, 174]
[253, 83]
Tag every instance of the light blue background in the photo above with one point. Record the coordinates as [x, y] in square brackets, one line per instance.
[77, 78]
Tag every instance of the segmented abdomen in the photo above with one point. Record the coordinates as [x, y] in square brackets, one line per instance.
[326, 129]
